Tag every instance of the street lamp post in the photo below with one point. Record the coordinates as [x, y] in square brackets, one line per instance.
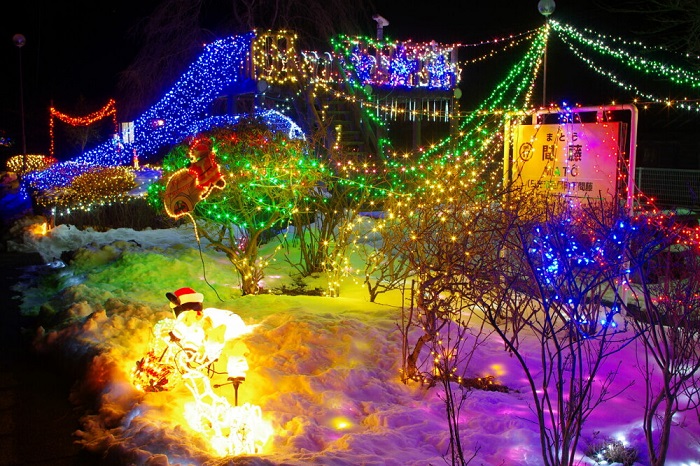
[546, 8]
[19, 40]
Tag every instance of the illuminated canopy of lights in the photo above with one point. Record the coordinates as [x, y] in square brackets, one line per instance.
[224, 67]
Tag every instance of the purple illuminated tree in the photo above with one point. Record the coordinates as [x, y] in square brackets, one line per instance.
[665, 309]
[556, 282]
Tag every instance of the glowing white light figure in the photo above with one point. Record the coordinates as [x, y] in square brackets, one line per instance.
[183, 348]
[230, 430]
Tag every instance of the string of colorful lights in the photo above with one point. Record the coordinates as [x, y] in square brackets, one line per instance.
[224, 68]
[109, 109]
[675, 74]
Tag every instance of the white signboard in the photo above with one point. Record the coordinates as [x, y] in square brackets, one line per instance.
[579, 160]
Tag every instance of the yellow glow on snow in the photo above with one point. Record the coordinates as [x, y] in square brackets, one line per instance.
[341, 423]
[498, 369]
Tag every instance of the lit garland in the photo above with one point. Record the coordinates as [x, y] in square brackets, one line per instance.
[645, 65]
[514, 41]
[673, 73]
[109, 109]
[367, 63]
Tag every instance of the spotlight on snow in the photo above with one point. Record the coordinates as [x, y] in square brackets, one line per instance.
[341, 423]
[39, 229]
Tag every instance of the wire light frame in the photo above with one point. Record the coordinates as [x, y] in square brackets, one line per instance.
[110, 109]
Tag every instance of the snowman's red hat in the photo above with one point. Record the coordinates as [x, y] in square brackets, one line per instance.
[184, 295]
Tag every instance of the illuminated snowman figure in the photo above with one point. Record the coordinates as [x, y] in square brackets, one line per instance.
[192, 341]
[184, 348]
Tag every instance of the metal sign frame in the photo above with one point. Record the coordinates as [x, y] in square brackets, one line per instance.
[604, 115]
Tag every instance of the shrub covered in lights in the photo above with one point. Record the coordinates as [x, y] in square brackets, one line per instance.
[33, 162]
[102, 185]
[266, 174]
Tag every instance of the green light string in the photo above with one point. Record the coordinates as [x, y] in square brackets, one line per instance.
[674, 73]
[638, 44]
[480, 133]
[628, 87]
[685, 103]
[519, 81]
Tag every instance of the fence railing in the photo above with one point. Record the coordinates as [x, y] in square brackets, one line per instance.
[669, 187]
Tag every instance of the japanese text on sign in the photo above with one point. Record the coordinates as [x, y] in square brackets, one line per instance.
[573, 159]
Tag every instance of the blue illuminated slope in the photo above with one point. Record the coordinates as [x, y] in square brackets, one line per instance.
[222, 64]
[182, 111]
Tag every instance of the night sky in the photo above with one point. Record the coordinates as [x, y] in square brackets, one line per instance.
[76, 49]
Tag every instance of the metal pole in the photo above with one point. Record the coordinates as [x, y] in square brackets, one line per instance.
[546, 8]
[19, 41]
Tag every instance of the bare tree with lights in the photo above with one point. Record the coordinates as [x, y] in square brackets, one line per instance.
[444, 231]
[325, 213]
[665, 306]
[386, 268]
[557, 283]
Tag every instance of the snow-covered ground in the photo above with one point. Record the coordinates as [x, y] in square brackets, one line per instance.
[324, 371]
